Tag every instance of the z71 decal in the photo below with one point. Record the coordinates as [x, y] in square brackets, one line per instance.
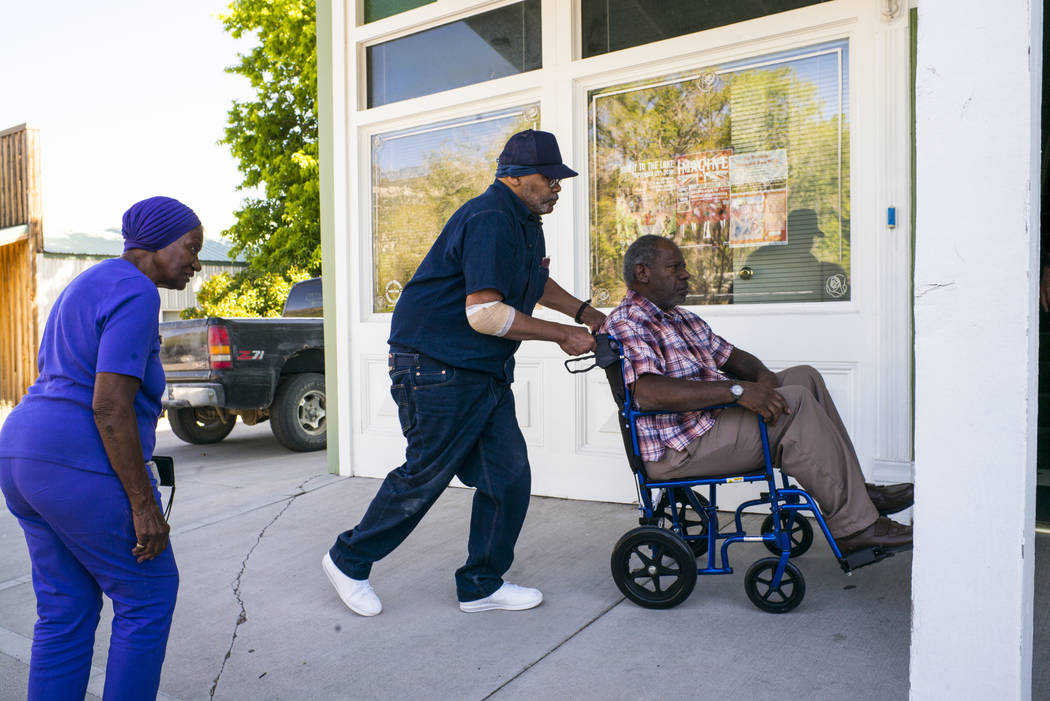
[250, 355]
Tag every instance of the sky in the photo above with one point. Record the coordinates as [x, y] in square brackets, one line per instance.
[130, 98]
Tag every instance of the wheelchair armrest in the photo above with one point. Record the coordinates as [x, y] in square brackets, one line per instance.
[660, 412]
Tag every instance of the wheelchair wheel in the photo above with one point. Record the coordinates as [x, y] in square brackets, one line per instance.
[653, 567]
[801, 534]
[692, 523]
[758, 583]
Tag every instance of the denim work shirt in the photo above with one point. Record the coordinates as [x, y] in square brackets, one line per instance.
[492, 242]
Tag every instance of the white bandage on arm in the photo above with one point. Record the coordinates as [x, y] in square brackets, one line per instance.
[491, 318]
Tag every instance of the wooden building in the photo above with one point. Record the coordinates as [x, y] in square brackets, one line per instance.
[21, 238]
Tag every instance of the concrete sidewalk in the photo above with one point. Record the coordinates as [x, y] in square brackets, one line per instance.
[257, 619]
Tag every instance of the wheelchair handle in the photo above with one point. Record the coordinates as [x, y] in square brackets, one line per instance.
[606, 352]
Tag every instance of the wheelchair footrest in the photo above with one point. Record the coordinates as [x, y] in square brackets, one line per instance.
[867, 556]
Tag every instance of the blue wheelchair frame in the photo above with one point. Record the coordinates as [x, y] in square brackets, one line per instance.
[786, 504]
[787, 499]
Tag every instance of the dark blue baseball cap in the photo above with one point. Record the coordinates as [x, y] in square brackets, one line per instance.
[536, 149]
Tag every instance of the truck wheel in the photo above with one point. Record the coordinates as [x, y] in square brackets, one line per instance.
[297, 417]
[200, 424]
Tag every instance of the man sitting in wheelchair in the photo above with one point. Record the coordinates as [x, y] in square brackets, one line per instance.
[675, 362]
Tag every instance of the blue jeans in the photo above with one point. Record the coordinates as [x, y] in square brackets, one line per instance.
[79, 531]
[458, 423]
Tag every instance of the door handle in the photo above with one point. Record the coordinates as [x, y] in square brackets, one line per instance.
[746, 273]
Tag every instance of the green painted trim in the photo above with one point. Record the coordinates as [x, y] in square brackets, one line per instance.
[913, 53]
[326, 132]
[381, 9]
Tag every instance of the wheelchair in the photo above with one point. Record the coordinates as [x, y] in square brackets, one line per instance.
[656, 564]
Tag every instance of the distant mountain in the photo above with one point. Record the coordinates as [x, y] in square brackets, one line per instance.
[109, 243]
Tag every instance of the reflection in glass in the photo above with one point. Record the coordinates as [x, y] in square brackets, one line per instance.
[420, 177]
[745, 166]
[611, 25]
[493, 44]
[379, 9]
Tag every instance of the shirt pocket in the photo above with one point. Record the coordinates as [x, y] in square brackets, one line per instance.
[537, 281]
[684, 366]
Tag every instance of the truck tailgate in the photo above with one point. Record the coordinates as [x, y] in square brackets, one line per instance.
[184, 348]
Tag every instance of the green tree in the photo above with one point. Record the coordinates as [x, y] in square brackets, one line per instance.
[245, 294]
[274, 138]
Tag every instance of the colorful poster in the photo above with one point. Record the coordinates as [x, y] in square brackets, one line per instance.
[763, 170]
[659, 173]
[702, 214]
[758, 202]
[650, 203]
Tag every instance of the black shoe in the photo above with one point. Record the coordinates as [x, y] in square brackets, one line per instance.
[884, 534]
[891, 498]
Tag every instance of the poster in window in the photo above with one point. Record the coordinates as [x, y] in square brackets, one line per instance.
[758, 201]
[702, 213]
[653, 181]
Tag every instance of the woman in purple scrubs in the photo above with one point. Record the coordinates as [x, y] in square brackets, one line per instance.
[73, 459]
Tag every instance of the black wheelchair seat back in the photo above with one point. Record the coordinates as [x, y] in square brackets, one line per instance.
[609, 358]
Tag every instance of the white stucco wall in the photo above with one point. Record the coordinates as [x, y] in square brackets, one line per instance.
[977, 149]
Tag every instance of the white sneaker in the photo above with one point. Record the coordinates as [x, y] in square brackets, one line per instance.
[509, 597]
[357, 594]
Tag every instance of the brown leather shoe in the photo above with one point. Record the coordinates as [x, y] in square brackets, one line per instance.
[891, 498]
[883, 534]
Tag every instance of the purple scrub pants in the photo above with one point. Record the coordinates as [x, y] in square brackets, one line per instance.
[79, 531]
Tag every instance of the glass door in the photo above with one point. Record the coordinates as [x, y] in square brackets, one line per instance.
[745, 166]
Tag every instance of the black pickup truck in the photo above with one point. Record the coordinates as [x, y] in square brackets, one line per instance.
[258, 369]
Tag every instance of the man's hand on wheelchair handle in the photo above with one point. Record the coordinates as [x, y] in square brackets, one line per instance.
[576, 340]
[763, 400]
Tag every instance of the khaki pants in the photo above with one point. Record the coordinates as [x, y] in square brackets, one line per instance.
[810, 444]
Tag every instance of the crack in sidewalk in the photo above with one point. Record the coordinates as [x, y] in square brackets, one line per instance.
[554, 649]
[242, 617]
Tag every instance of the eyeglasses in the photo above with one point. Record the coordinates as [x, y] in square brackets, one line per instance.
[552, 182]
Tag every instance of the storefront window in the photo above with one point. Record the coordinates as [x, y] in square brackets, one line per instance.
[493, 44]
[421, 176]
[611, 25]
[745, 166]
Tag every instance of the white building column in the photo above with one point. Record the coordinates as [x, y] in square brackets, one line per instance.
[332, 123]
[976, 244]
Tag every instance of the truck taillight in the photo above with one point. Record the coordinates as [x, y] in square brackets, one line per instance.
[219, 348]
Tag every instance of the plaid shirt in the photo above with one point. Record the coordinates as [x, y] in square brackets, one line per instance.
[678, 344]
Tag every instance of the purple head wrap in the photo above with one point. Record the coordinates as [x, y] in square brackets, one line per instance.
[156, 222]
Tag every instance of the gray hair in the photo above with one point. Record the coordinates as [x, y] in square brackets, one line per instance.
[643, 250]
